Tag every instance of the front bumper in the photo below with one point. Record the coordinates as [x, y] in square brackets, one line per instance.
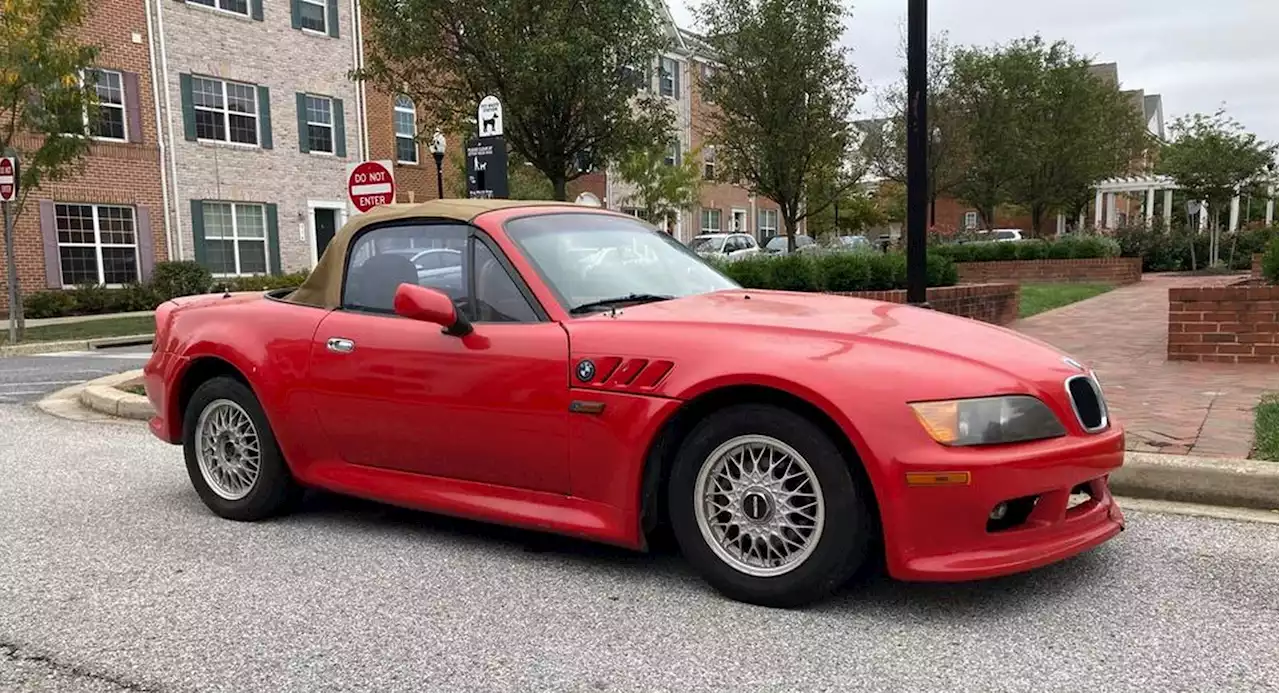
[945, 533]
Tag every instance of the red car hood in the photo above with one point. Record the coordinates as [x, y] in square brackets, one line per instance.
[859, 320]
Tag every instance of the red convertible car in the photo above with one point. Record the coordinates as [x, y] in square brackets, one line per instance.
[574, 370]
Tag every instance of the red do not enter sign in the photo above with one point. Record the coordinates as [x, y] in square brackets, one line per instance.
[371, 183]
[8, 179]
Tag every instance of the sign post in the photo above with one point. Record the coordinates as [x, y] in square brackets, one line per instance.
[9, 174]
[487, 153]
[369, 184]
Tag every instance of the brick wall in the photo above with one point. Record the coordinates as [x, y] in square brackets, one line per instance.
[1109, 270]
[1231, 324]
[995, 303]
[125, 173]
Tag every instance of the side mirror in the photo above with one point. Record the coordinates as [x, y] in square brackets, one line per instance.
[429, 305]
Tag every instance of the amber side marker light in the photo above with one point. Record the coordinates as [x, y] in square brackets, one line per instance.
[937, 478]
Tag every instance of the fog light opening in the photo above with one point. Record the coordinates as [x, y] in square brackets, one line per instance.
[998, 512]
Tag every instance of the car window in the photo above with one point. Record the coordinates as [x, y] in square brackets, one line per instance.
[777, 243]
[587, 257]
[498, 298]
[803, 240]
[381, 259]
[707, 245]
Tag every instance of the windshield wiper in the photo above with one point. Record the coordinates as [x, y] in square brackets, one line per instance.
[610, 302]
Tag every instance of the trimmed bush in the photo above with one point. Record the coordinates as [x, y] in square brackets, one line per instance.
[1271, 261]
[1074, 247]
[182, 278]
[1172, 250]
[833, 271]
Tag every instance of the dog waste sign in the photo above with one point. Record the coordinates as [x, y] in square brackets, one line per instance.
[487, 167]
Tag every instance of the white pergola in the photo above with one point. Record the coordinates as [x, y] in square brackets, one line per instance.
[1106, 190]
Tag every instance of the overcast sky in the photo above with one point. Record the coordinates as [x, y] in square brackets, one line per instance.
[1197, 54]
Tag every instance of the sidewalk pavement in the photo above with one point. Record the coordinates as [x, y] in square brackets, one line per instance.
[1165, 406]
[41, 322]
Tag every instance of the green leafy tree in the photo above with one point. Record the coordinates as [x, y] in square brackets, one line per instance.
[44, 96]
[856, 210]
[524, 182]
[884, 146]
[784, 91]
[661, 190]
[567, 73]
[1212, 158]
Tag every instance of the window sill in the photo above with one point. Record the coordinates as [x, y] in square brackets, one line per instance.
[220, 12]
[314, 32]
[408, 163]
[229, 145]
[325, 154]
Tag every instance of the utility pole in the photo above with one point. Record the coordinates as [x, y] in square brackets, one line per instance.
[917, 149]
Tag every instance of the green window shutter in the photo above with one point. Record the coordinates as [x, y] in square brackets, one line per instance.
[304, 145]
[273, 240]
[188, 108]
[197, 231]
[332, 16]
[264, 116]
[339, 130]
[256, 10]
[295, 13]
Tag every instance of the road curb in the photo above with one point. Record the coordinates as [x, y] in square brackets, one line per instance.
[104, 396]
[1227, 482]
[32, 348]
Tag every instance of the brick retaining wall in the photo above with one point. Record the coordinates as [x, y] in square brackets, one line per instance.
[1108, 270]
[996, 302]
[1224, 324]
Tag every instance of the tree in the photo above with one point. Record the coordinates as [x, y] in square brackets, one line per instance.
[566, 71]
[1042, 129]
[1212, 158]
[661, 190]
[885, 145]
[44, 96]
[524, 182]
[783, 91]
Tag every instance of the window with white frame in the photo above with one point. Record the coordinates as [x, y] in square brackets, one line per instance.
[767, 223]
[233, 6]
[706, 71]
[311, 14]
[97, 244]
[971, 220]
[110, 122]
[711, 221]
[709, 162]
[225, 111]
[673, 153]
[319, 124]
[406, 122]
[235, 238]
[669, 78]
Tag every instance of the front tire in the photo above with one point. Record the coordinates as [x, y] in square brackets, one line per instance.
[232, 456]
[766, 508]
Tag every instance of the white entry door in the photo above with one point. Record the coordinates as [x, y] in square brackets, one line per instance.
[739, 219]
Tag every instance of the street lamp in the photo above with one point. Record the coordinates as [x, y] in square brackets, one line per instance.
[437, 153]
[917, 149]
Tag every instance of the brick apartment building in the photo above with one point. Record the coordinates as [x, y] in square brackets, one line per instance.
[106, 224]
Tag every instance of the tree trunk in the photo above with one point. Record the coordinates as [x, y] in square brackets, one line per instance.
[791, 233]
[1037, 216]
[558, 185]
[933, 211]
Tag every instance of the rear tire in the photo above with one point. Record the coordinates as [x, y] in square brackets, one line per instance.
[232, 456]
[783, 520]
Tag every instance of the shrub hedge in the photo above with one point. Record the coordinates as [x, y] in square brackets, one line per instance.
[833, 271]
[1074, 247]
[168, 280]
[1271, 261]
[1171, 250]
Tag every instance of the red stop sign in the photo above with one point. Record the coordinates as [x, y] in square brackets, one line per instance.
[8, 180]
[371, 184]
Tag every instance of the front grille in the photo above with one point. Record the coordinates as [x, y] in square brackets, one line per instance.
[1086, 402]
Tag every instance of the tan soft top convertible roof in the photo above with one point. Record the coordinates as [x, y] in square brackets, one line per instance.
[323, 287]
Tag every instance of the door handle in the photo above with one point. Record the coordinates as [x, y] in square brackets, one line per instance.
[340, 345]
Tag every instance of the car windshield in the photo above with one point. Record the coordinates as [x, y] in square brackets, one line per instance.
[590, 257]
[707, 244]
[776, 243]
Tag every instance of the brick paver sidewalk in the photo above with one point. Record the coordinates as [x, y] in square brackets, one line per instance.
[1170, 407]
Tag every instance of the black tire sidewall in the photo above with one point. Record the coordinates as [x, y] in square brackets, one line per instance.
[847, 526]
[274, 490]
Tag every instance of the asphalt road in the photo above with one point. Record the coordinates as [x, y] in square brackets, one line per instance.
[113, 577]
[28, 378]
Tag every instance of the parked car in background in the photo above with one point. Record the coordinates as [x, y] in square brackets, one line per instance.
[997, 236]
[725, 245]
[777, 245]
[850, 243]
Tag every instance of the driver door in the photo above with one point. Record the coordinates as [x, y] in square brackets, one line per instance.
[396, 393]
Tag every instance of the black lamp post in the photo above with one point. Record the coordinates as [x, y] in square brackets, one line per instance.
[437, 153]
[917, 149]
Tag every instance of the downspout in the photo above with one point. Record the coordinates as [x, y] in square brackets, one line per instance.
[155, 100]
[357, 50]
[168, 110]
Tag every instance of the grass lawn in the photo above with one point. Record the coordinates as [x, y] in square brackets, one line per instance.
[135, 389]
[1037, 298]
[1265, 421]
[88, 329]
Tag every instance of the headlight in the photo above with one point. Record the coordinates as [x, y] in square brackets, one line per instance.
[988, 420]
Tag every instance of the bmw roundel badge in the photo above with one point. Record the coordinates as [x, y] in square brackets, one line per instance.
[586, 370]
